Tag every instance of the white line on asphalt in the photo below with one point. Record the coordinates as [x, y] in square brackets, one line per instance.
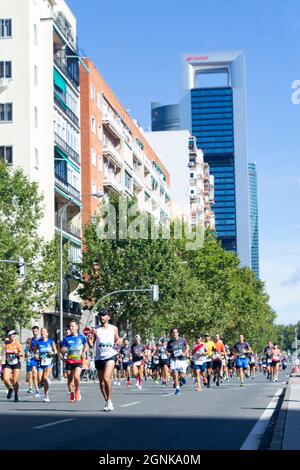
[130, 404]
[169, 394]
[54, 423]
[254, 438]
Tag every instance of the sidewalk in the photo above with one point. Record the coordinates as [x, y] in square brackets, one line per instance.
[287, 428]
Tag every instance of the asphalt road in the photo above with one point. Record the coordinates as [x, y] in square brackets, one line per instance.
[150, 419]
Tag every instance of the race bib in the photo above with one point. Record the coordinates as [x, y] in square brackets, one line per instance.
[164, 356]
[242, 356]
[46, 361]
[12, 360]
[156, 361]
[269, 361]
[177, 352]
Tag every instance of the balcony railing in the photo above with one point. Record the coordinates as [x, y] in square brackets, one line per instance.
[68, 227]
[109, 149]
[109, 120]
[65, 30]
[65, 186]
[110, 180]
[66, 148]
[63, 106]
[62, 65]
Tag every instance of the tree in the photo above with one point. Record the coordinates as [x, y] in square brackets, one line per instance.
[20, 214]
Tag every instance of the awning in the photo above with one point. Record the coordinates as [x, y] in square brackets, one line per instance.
[59, 81]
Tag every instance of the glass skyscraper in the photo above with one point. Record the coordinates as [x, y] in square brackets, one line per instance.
[254, 218]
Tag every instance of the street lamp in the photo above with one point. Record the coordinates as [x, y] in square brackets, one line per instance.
[61, 315]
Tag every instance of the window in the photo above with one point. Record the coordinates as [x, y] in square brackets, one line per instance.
[93, 124]
[5, 70]
[35, 34]
[6, 112]
[100, 133]
[128, 181]
[36, 159]
[35, 76]
[94, 187]
[94, 157]
[100, 164]
[93, 94]
[5, 28]
[36, 117]
[99, 101]
[6, 154]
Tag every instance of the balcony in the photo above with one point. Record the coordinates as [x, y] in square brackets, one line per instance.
[61, 63]
[111, 181]
[110, 151]
[111, 123]
[66, 187]
[192, 181]
[64, 147]
[68, 227]
[63, 106]
[65, 30]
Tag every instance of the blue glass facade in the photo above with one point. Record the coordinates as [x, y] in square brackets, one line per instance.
[254, 218]
[212, 124]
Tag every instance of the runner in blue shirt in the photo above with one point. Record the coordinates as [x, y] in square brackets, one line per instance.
[44, 350]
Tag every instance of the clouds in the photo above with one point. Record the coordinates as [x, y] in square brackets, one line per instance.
[294, 279]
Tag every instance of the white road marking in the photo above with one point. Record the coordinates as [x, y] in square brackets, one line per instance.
[54, 423]
[168, 394]
[253, 440]
[130, 404]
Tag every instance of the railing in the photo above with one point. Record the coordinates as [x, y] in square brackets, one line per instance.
[66, 148]
[67, 186]
[108, 148]
[68, 227]
[62, 65]
[63, 106]
[65, 30]
[108, 118]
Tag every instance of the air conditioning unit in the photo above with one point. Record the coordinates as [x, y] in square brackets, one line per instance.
[4, 82]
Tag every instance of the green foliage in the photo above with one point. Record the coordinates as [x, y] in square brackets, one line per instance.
[200, 290]
[20, 214]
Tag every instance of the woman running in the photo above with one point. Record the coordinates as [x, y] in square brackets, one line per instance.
[276, 358]
[45, 349]
[138, 361]
[12, 366]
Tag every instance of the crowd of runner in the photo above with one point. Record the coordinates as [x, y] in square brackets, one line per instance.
[208, 360]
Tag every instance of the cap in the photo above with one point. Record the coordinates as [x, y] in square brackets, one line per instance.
[12, 332]
[198, 336]
[103, 312]
[137, 337]
[207, 334]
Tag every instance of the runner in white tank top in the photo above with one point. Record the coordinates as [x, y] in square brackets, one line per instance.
[105, 337]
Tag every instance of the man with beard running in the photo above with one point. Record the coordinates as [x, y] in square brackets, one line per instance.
[242, 350]
[178, 350]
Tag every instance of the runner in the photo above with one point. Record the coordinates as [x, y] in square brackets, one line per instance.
[276, 358]
[252, 364]
[125, 352]
[12, 366]
[199, 360]
[164, 362]
[217, 357]
[209, 345]
[66, 372]
[284, 363]
[117, 373]
[74, 346]
[44, 350]
[178, 350]
[33, 364]
[242, 348]
[268, 355]
[156, 363]
[138, 361]
[106, 338]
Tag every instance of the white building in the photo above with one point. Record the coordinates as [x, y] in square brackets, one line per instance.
[40, 109]
[191, 185]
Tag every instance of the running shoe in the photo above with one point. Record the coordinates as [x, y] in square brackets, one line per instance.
[218, 384]
[46, 399]
[105, 406]
[72, 397]
[177, 392]
[140, 387]
[40, 386]
[37, 395]
[17, 398]
[198, 389]
[30, 390]
[110, 406]
[183, 381]
[77, 395]
[9, 393]
[115, 382]
[119, 383]
[241, 384]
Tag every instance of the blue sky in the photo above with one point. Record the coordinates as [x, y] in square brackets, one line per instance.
[136, 46]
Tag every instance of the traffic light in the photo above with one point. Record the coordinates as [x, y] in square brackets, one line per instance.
[155, 293]
[21, 267]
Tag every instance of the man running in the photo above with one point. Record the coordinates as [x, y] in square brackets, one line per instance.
[164, 362]
[242, 349]
[138, 352]
[106, 338]
[218, 354]
[199, 360]
[178, 350]
[125, 353]
[209, 345]
[33, 363]
[12, 366]
[75, 346]
[45, 349]
[268, 351]
[156, 363]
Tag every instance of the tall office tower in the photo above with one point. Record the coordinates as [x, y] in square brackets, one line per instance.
[116, 157]
[192, 186]
[39, 116]
[212, 106]
[254, 218]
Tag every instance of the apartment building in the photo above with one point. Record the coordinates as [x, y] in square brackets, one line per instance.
[116, 157]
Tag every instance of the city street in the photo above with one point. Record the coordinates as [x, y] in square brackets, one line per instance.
[154, 418]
